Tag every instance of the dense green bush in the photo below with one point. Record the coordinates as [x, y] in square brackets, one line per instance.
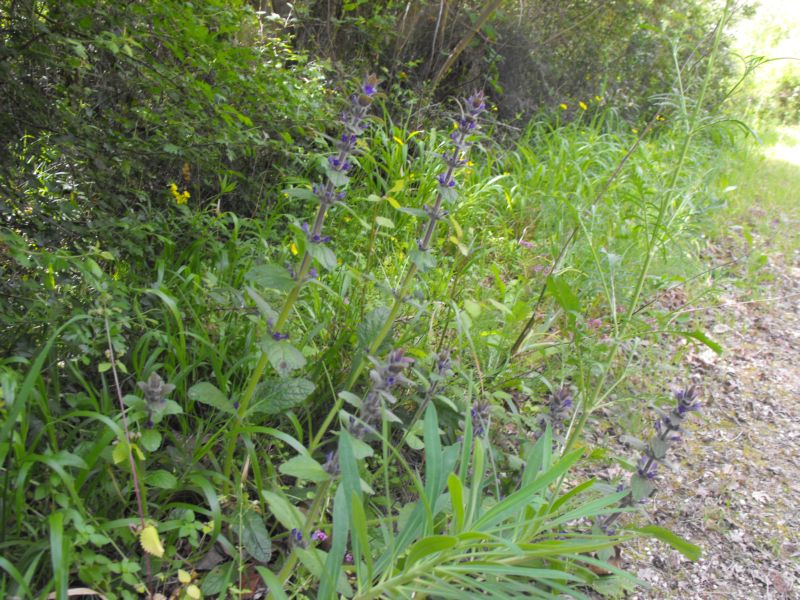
[107, 104]
[532, 54]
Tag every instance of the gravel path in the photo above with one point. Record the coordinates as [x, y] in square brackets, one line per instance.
[737, 494]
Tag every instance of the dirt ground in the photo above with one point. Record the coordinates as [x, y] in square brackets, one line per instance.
[737, 493]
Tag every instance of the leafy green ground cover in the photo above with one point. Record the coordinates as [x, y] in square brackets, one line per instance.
[212, 400]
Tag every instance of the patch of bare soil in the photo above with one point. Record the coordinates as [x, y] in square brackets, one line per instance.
[737, 493]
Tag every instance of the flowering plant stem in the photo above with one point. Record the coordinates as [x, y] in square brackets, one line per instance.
[691, 129]
[354, 124]
[435, 215]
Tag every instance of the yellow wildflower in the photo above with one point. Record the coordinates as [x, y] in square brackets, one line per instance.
[563, 106]
[582, 105]
[634, 130]
[598, 99]
[293, 248]
[180, 197]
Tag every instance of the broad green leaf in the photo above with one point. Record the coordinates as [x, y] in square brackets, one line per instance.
[255, 537]
[218, 580]
[207, 393]
[384, 222]
[270, 276]
[161, 479]
[563, 294]
[689, 550]
[284, 511]
[641, 487]
[423, 260]
[283, 357]
[323, 255]
[361, 449]
[151, 440]
[304, 467]
[276, 396]
[368, 329]
[658, 447]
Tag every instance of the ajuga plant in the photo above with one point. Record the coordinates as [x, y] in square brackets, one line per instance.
[276, 348]
[421, 259]
[668, 431]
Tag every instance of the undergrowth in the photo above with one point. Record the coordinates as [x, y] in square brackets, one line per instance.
[388, 398]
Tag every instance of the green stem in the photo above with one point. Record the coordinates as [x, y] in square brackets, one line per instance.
[586, 409]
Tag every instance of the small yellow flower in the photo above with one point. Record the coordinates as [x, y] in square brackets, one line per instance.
[563, 106]
[634, 130]
[598, 99]
[180, 197]
[293, 248]
[582, 105]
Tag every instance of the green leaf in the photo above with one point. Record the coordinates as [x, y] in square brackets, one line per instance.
[151, 440]
[703, 339]
[384, 222]
[658, 447]
[284, 511]
[255, 537]
[208, 393]
[457, 501]
[641, 487]
[323, 255]
[304, 467]
[269, 314]
[370, 327]
[429, 545]
[219, 578]
[278, 395]
[689, 550]
[161, 479]
[423, 260]
[283, 357]
[563, 294]
[270, 276]
[361, 449]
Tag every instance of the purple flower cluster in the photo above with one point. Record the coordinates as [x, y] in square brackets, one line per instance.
[296, 539]
[384, 376]
[559, 409]
[480, 417]
[668, 430]
[339, 165]
[454, 159]
[355, 123]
